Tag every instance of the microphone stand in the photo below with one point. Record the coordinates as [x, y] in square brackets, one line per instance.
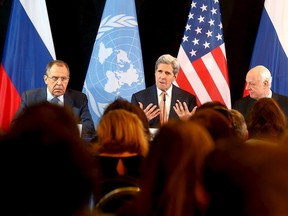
[164, 108]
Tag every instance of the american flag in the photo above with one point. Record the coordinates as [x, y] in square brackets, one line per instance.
[202, 54]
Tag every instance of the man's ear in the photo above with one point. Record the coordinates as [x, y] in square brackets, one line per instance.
[45, 77]
[266, 83]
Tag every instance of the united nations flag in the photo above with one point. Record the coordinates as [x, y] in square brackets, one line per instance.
[116, 67]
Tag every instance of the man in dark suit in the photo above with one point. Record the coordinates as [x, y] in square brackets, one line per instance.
[56, 78]
[258, 84]
[178, 102]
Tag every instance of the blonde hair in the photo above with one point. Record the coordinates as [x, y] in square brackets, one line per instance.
[121, 131]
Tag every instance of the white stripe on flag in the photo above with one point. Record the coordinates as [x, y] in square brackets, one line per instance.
[192, 77]
[37, 13]
[218, 77]
[276, 11]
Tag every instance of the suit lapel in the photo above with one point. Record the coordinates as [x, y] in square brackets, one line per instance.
[154, 95]
[68, 99]
[174, 97]
[41, 95]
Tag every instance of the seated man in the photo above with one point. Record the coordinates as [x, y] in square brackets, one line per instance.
[258, 84]
[57, 78]
[177, 103]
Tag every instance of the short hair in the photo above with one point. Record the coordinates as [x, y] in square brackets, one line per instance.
[168, 59]
[239, 124]
[263, 72]
[215, 122]
[57, 62]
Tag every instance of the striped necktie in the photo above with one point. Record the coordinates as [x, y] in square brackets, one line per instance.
[55, 100]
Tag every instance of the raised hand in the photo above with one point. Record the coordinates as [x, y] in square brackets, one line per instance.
[151, 111]
[182, 110]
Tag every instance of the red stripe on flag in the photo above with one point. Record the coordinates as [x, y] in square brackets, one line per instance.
[207, 80]
[10, 100]
[184, 83]
[245, 92]
[220, 59]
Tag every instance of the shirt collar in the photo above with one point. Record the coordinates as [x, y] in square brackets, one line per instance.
[168, 92]
[270, 94]
[50, 97]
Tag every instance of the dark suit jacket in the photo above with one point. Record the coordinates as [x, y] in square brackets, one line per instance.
[74, 99]
[149, 95]
[243, 105]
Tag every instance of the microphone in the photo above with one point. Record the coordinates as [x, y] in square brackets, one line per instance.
[164, 108]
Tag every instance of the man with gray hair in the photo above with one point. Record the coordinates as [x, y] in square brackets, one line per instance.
[258, 84]
[163, 100]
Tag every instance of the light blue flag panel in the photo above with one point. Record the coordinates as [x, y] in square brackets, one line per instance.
[116, 66]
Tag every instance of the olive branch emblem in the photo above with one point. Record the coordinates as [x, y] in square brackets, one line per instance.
[118, 21]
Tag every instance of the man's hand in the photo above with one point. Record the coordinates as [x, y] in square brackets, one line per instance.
[151, 111]
[182, 110]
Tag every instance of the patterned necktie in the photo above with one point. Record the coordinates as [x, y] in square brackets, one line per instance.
[55, 100]
[163, 110]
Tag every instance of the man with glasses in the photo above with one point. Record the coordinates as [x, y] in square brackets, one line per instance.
[57, 77]
[177, 103]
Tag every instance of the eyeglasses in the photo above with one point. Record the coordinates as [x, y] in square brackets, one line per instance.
[56, 78]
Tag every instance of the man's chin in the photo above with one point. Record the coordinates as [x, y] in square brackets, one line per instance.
[58, 93]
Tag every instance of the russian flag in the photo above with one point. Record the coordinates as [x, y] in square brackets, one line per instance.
[271, 46]
[28, 48]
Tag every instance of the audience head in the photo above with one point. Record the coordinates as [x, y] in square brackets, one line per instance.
[266, 119]
[122, 131]
[239, 124]
[166, 70]
[213, 104]
[121, 103]
[247, 180]
[218, 106]
[57, 77]
[47, 168]
[172, 171]
[258, 82]
[216, 123]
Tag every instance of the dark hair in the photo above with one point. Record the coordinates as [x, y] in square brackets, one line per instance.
[57, 62]
[266, 119]
[48, 168]
[171, 170]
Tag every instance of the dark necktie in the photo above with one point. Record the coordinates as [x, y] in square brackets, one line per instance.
[55, 100]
